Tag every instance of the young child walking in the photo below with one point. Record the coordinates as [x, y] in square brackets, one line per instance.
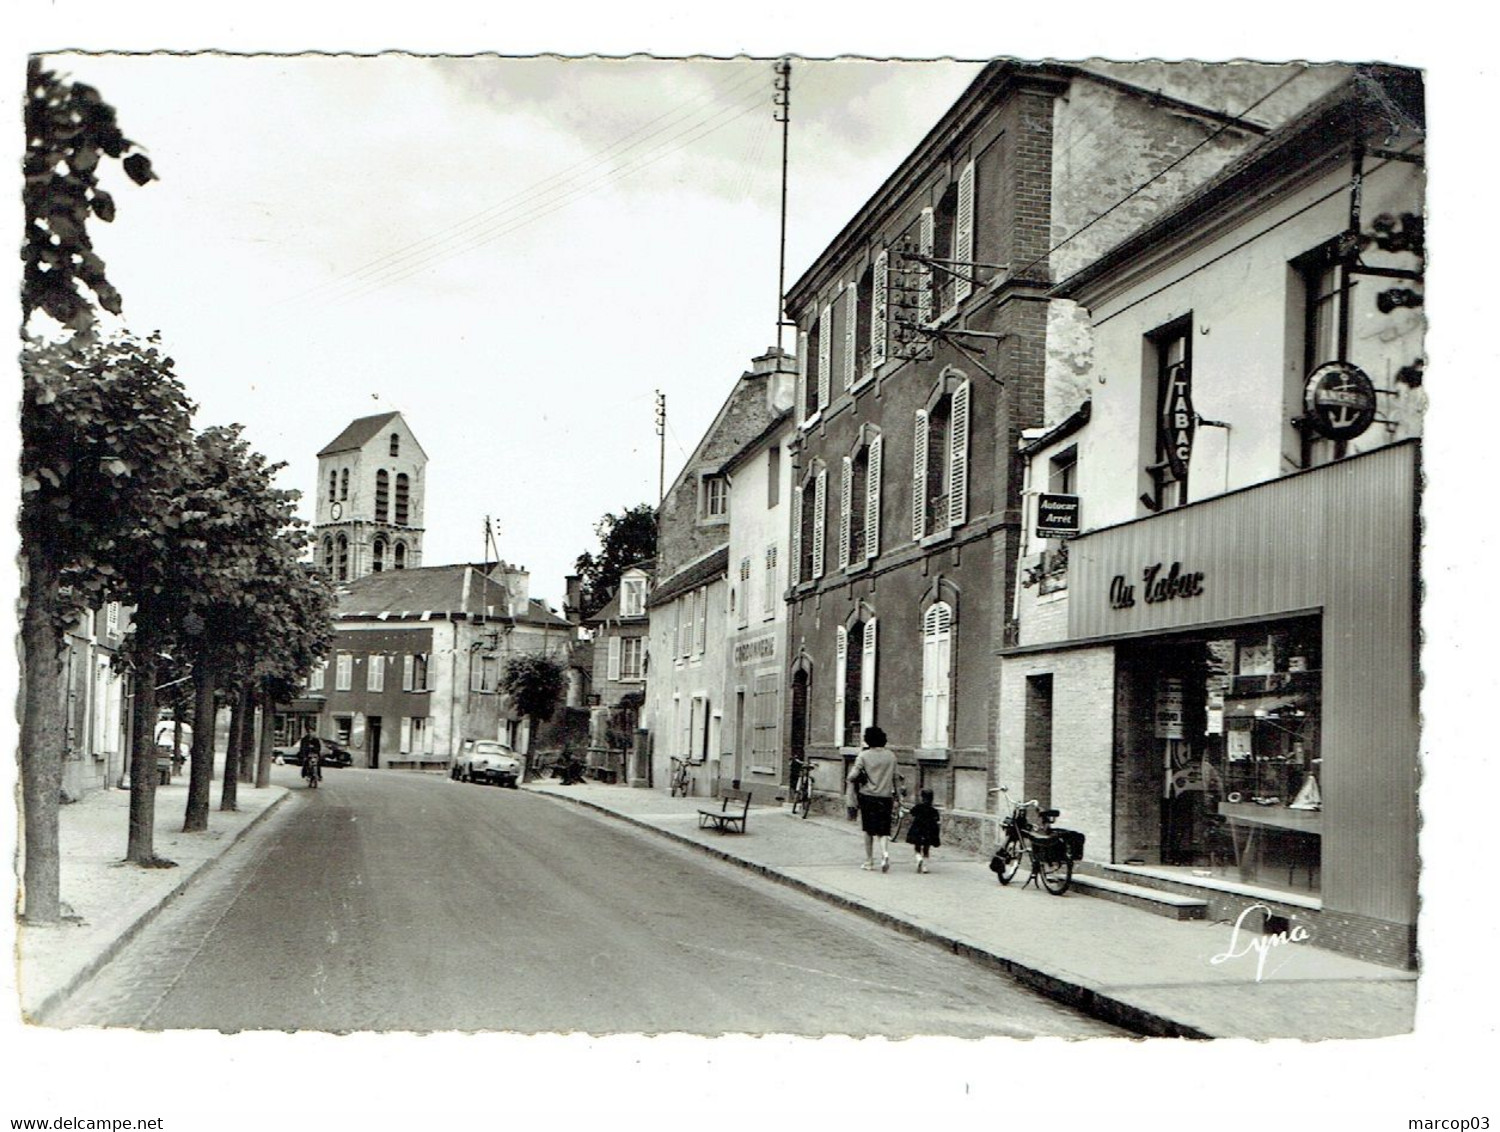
[923, 834]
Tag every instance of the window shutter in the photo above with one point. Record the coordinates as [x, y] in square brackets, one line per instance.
[872, 499]
[924, 247]
[963, 234]
[825, 355]
[702, 621]
[614, 658]
[744, 595]
[407, 663]
[794, 567]
[846, 493]
[840, 676]
[878, 308]
[851, 319]
[802, 413]
[867, 679]
[820, 513]
[919, 478]
[406, 734]
[958, 463]
[771, 588]
[936, 653]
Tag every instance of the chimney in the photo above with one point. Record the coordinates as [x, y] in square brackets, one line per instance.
[573, 601]
[780, 369]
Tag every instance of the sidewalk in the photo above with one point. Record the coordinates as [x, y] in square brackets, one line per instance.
[1147, 973]
[112, 900]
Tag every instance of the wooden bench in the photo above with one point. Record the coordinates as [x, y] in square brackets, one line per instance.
[724, 819]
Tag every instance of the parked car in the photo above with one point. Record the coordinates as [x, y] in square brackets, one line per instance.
[330, 753]
[488, 761]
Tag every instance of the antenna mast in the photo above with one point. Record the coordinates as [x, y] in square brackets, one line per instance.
[781, 101]
[661, 458]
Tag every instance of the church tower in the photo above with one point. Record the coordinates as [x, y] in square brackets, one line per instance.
[370, 492]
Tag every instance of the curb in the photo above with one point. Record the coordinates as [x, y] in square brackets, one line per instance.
[1088, 1000]
[52, 1001]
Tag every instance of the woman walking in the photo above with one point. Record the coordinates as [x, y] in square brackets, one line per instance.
[873, 775]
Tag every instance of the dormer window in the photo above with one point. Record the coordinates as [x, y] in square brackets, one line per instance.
[632, 597]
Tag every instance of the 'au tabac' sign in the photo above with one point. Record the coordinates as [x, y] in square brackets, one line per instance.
[1340, 400]
[1056, 515]
[1178, 421]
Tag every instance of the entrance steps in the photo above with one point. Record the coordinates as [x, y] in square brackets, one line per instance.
[1169, 904]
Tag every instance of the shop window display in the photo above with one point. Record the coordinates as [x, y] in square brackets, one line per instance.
[1233, 723]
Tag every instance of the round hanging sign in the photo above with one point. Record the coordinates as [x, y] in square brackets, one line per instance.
[1340, 400]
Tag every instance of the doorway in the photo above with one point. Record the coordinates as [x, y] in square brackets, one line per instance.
[372, 727]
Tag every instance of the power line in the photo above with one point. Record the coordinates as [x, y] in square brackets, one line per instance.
[569, 197]
[539, 189]
[1157, 176]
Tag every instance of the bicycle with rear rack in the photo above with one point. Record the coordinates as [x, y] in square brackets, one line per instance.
[1050, 851]
[681, 778]
[802, 787]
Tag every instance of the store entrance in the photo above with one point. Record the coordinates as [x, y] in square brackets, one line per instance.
[1219, 767]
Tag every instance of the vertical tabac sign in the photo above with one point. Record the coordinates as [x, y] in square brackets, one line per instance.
[1179, 422]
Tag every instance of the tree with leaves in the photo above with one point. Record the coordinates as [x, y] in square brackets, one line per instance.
[69, 130]
[535, 684]
[624, 540]
[105, 434]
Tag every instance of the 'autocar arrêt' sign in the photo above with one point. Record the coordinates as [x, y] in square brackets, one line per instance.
[1056, 515]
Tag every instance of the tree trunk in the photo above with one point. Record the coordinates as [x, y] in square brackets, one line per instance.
[42, 737]
[200, 774]
[229, 794]
[267, 740]
[140, 849]
[247, 737]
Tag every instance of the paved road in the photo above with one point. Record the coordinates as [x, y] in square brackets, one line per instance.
[391, 901]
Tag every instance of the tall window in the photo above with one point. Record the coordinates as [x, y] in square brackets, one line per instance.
[414, 673]
[1168, 468]
[317, 677]
[483, 672]
[395, 444]
[328, 556]
[402, 493]
[344, 484]
[702, 603]
[772, 591]
[1062, 473]
[937, 672]
[807, 531]
[377, 562]
[848, 317]
[375, 674]
[854, 681]
[398, 556]
[1320, 272]
[773, 476]
[864, 304]
[859, 530]
[943, 224]
[940, 465]
[765, 714]
[382, 496]
[343, 678]
[812, 349]
[333, 485]
[341, 547]
[632, 652]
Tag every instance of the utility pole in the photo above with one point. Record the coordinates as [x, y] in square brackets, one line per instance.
[781, 101]
[661, 447]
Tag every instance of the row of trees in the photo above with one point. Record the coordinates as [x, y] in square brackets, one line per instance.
[122, 500]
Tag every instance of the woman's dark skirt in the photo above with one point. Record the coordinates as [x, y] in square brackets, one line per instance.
[875, 815]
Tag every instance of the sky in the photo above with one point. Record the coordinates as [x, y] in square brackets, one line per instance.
[517, 254]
